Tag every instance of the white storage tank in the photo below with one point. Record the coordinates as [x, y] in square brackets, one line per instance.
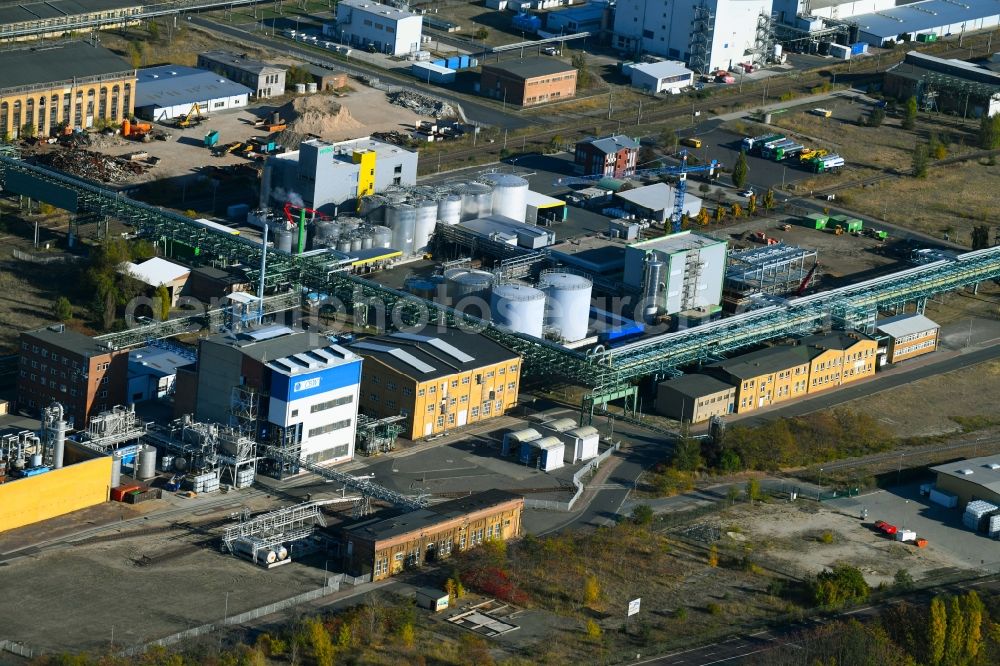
[283, 239]
[567, 306]
[146, 463]
[373, 208]
[450, 209]
[518, 307]
[427, 211]
[510, 195]
[381, 236]
[477, 200]
[402, 219]
[466, 282]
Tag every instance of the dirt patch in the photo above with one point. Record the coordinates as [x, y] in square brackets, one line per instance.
[793, 538]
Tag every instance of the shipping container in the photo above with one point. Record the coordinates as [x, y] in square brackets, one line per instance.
[854, 224]
[859, 48]
[816, 220]
[118, 494]
[927, 37]
[946, 500]
[905, 535]
[432, 600]
[885, 528]
[453, 62]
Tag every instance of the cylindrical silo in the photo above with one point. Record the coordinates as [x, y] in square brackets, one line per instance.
[653, 284]
[426, 220]
[146, 462]
[116, 472]
[518, 307]
[402, 219]
[464, 282]
[344, 244]
[424, 287]
[283, 239]
[349, 223]
[381, 236]
[567, 306]
[373, 208]
[510, 194]
[356, 242]
[477, 200]
[366, 240]
[450, 209]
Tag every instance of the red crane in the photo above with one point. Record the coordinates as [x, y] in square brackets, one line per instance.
[293, 218]
[806, 280]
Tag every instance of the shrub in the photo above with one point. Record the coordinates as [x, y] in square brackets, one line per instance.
[714, 608]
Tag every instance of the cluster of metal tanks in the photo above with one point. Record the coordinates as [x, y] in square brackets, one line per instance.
[559, 304]
[349, 234]
[412, 213]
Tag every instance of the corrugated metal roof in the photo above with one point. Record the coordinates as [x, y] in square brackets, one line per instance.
[905, 324]
[924, 16]
[58, 62]
[662, 69]
[612, 144]
[173, 85]
[157, 271]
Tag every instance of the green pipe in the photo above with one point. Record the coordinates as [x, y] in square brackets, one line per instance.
[302, 231]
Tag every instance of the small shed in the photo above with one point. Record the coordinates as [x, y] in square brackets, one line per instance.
[156, 271]
[433, 600]
[512, 441]
[546, 453]
[327, 79]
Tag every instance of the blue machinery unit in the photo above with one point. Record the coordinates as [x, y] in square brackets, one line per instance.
[610, 373]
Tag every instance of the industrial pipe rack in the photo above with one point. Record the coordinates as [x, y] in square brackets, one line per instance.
[606, 371]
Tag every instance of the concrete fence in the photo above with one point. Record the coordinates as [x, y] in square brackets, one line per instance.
[555, 505]
[20, 649]
[332, 587]
[39, 259]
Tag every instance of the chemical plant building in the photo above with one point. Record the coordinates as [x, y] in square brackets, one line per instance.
[678, 272]
[55, 18]
[172, 91]
[72, 83]
[908, 336]
[951, 86]
[708, 36]
[938, 18]
[695, 398]
[614, 156]
[971, 479]
[529, 81]
[438, 382]
[158, 272]
[84, 375]
[383, 547]
[658, 77]
[264, 79]
[302, 388]
[388, 29]
[326, 175]
[656, 202]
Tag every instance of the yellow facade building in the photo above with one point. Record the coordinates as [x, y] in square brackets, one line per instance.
[841, 358]
[72, 84]
[54, 493]
[439, 381]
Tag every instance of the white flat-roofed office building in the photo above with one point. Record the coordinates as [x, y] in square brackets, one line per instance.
[389, 29]
[664, 76]
[170, 91]
[692, 274]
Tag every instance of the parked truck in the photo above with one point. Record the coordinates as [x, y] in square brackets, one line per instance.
[752, 145]
[826, 163]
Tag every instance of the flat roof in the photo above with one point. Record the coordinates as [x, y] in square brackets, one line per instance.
[343, 150]
[172, 85]
[539, 200]
[530, 68]
[268, 343]
[923, 16]
[58, 335]
[492, 224]
[905, 324]
[424, 354]
[381, 529]
[658, 196]
[312, 360]
[679, 242]
[157, 271]
[985, 471]
[917, 65]
[835, 340]
[54, 63]
[240, 61]
[696, 386]
[662, 69]
[767, 361]
[388, 11]
[602, 255]
[156, 361]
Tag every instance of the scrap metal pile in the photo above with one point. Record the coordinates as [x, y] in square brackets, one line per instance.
[93, 166]
[421, 104]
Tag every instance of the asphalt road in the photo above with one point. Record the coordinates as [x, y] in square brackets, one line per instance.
[476, 113]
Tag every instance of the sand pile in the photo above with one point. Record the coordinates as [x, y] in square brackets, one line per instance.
[317, 114]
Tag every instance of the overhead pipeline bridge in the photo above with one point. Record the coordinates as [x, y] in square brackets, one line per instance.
[68, 23]
[607, 371]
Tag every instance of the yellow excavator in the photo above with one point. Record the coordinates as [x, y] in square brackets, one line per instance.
[191, 118]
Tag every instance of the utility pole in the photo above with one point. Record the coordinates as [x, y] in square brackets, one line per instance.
[609, 104]
[638, 117]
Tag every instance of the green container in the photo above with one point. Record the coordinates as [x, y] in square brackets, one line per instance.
[854, 224]
[839, 219]
[816, 221]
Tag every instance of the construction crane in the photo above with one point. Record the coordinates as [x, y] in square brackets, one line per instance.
[681, 171]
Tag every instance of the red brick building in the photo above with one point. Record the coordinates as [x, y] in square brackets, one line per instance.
[77, 371]
[529, 81]
[612, 156]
